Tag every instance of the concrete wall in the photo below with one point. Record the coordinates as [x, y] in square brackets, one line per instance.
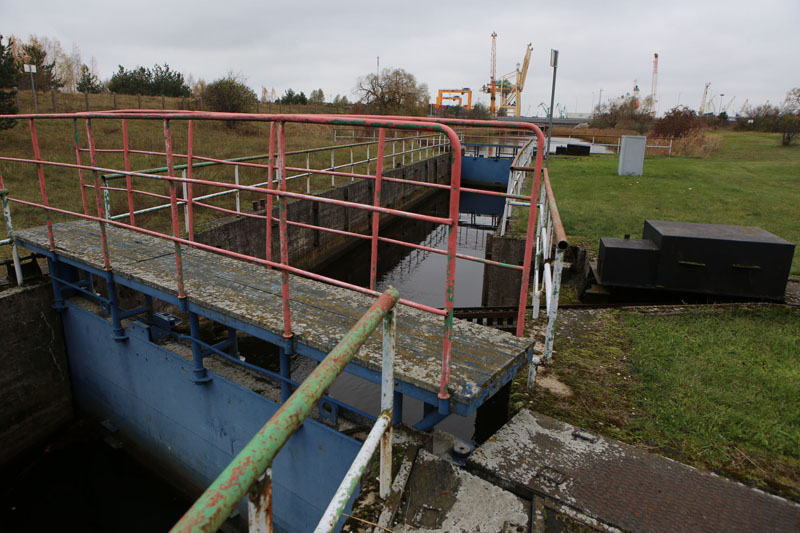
[35, 397]
[309, 249]
[500, 288]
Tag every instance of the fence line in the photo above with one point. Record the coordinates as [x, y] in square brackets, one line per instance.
[60, 102]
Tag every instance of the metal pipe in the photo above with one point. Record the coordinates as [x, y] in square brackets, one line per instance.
[80, 170]
[259, 505]
[40, 171]
[376, 217]
[270, 176]
[282, 231]
[212, 508]
[345, 491]
[127, 157]
[102, 222]
[173, 200]
[387, 399]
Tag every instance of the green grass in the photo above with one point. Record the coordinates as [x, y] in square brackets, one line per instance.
[751, 181]
[716, 388]
[721, 386]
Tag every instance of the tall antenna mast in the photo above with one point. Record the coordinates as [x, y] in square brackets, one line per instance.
[654, 85]
[493, 72]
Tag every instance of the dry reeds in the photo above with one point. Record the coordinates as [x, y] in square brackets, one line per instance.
[697, 143]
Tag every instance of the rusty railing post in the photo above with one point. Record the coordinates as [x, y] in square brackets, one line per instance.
[173, 200]
[376, 216]
[270, 178]
[80, 170]
[126, 154]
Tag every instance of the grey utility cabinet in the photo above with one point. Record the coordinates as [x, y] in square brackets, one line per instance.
[631, 155]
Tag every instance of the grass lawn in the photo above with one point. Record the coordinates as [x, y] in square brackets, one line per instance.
[751, 181]
[716, 388]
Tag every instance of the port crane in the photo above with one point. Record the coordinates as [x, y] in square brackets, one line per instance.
[510, 86]
[456, 95]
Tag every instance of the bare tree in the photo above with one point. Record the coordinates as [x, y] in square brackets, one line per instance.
[394, 92]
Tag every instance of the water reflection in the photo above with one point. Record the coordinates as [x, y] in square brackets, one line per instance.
[420, 276]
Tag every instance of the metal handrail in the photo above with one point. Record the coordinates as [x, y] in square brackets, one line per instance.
[277, 171]
[243, 473]
[551, 245]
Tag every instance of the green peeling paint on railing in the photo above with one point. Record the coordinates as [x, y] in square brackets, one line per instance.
[215, 505]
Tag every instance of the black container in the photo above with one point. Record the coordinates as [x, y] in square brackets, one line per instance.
[719, 259]
[627, 262]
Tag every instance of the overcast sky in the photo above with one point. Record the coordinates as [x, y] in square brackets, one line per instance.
[745, 49]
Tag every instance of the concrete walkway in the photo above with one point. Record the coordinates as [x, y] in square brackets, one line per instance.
[614, 484]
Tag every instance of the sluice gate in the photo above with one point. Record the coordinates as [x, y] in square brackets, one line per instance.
[122, 279]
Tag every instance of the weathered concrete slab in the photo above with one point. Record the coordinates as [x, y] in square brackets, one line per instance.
[445, 498]
[482, 358]
[622, 486]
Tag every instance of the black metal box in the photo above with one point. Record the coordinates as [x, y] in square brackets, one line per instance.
[627, 262]
[719, 259]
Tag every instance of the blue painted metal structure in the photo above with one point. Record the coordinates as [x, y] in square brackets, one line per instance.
[193, 430]
[485, 171]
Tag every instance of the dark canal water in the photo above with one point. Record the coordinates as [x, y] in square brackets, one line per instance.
[420, 276]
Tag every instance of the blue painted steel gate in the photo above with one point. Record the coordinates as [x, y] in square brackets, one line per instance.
[192, 431]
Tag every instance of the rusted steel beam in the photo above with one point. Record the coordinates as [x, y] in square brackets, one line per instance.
[213, 507]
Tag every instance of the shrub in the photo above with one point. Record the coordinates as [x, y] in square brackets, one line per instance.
[677, 122]
[625, 116]
[229, 95]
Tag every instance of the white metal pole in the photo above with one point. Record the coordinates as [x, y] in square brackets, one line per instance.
[186, 204]
[236, 179]
[387, 399]
[259, 513]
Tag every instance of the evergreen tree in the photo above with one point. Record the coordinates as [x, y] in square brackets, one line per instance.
[46, 79]
[9, 72]
[88, 82]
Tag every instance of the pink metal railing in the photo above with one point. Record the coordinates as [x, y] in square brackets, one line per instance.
[276, 168]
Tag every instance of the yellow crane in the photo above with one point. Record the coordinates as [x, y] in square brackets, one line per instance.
[509, 86]
[511, 91]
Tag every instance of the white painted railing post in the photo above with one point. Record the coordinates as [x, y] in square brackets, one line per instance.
[238, 196]
[387, 399]
[106, 199]
[259, 504]
[308, 174]
[333, 167]
[185, 202]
